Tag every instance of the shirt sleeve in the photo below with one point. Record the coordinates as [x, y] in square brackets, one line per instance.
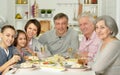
[75, 42]
[43, 39]
[94, 48]
[106, 58]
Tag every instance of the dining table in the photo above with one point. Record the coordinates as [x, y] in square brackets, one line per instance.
[55, 65]
[30, 71]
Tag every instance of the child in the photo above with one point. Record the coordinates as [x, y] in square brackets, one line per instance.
[20, 43]
[7, 57]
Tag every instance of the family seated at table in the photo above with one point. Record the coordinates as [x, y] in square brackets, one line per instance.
[99, 46]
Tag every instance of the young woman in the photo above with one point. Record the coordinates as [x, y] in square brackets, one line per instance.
[108, 58]
[7, 57]
[32, 29]
[20, 42]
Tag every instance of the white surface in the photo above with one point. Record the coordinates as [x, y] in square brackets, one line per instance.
[51, 72]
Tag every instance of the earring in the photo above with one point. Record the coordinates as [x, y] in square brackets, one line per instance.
[111, 32]
[0, 39]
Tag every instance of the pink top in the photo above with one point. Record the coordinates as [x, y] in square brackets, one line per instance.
[91, 45]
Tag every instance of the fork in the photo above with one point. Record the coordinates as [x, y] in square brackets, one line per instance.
[15, 71]
[16, 67]
[34, 67]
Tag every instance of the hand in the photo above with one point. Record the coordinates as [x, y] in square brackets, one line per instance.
[7, 69]
[30, 51]
[15, 59]
[84, 54]
[83, 60]
[83, 57]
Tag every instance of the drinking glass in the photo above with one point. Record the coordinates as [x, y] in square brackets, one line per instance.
[69, 53]
[41, 54]
[82, 60]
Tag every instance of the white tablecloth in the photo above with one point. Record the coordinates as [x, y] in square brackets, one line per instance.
[51, 72]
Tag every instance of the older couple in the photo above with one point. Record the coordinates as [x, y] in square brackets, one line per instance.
[106, 61]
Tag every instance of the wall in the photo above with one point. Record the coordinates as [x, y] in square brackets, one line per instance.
[66, 6]
[7, 10]
[69, 7]
[110, 7]
[118, 15]
[3, 8]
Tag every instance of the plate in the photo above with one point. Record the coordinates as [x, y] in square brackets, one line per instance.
[26, 65]
[82, 67]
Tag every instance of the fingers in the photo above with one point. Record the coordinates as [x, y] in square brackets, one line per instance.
[16, 58]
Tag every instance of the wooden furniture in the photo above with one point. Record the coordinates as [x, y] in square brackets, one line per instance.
[45, 25]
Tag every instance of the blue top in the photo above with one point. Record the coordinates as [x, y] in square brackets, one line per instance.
[3, 57]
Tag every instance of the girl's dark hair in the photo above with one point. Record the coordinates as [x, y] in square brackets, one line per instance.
[36, 23]
[17, 35]
[7, 26]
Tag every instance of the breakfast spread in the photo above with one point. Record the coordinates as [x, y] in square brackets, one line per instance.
[55, 62]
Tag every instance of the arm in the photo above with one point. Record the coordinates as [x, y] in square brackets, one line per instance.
[106, 58]
[43, 39]
[29, 50]
[94, 49]
[74, 42]
[13, 60]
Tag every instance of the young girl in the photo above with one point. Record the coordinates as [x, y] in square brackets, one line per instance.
[7, 57]
[20, 43]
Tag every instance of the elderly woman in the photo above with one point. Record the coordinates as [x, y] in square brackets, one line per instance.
[107, 61]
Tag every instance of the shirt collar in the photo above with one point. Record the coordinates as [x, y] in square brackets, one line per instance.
[30, 43]
[92, 36]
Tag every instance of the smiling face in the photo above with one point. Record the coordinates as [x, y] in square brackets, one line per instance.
[61, 25]
[102, 30]
[7, 36]
[21, 40]
[31, 31]
[86, 26]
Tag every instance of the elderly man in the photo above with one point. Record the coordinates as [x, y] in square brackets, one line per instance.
[90, 42]
[62, 39]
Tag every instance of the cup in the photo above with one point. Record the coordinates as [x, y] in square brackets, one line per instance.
[83, 60]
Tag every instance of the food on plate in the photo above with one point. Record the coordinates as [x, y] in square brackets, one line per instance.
[82, 61]
[53, 63]
[32, 58]
[55, 58]
[71, 61]
[26, 65]
[76, 66]
[52, 66]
